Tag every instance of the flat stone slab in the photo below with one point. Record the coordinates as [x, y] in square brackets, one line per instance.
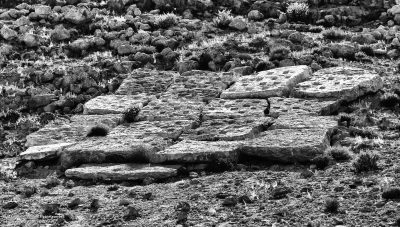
[288, 106]
[270, 83]
[165, 109]
[188, 151]
[288, 145]
[120, 172]
[165, 129]
[43, 152]
[119, 149]
[304, 122]
[69, 131]
[200, 85]
[228, 129]
[343, 83]
[236, 108]
[151, 82]
[115, 104]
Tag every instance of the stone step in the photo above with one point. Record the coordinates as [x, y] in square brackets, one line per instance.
[188, 151]
[339, 83]
[228, 129]
[270, 83]
[44, 152]
[115, 104]
[151, 82]
[120, 172]
[112, 149]
[236, 108]
[288, 145]
[287, 106]
[166, 109]
[69, 131]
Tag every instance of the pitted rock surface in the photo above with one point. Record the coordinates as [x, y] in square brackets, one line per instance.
[115, 104]
[236, 108]
[66, 131]
[200, 85]
[270, 83]
[120, 172]
[228, 129]
[165, 129]
[288, 145]
[287, 106]
[188, 151]
[304, 121]
[166, 109]
[149, 82]
[339, 83]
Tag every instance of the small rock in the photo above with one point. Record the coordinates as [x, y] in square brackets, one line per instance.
[74, 203]
[280, 192]
[113, 188]
[94, 204]
[148, 181]
[238, 24]
[7, 33]
[28, 191]
[51, 208]
[255, 15]
[124, 202]
[10, 205]
[70, 184]
[51, 182]
[230, 201]
[131, 214]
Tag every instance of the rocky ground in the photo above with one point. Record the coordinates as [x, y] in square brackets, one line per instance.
[199, 113]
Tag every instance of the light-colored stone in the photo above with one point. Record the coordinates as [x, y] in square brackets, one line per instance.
[8, 33]
[288, 145]
[287, 106]
[122, 149]
[120, 172]
[150, 82]
[340, 83]
[43, 152]
[115, 104]
[270, 83]
[237, 108]
[295, 121]
[188, 151]
[43, 11]
[166, 109]
[228, 129]
[68, 131]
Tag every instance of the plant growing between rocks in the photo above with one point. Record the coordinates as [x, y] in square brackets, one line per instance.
[130, 114]
[166, 20]
[223, 19]
[98, 131]
[298, 11]
[366, 161]
[331, 205]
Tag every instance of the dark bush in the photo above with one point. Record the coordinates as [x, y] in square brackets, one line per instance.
[98, 130]
[279, 53]
[340, 153]
[321, 161]
[366, 162]
[298, 12]
[331, 205]
[389, 100]
[334, 34]
[130, 114]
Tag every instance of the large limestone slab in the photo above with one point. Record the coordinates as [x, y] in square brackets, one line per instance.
[72, 130]
[200, 85]
[304, 122]
[270, 83]
[288, 145]
[343, 83]
[120, 172]
[288, 106]
[115, 104]
[165, 129]
[237, 108]
[188, 151]
[228, 129]
[165, 109]
[44, 152]
[151, 82]
[120, 149]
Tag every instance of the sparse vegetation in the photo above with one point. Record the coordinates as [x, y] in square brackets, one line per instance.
[322, 161]
[389, 100]
[340, 153]
[366, 161]
[391, 193]
[334, 34]
[98, 130]
[130, 114]
[166, 20]
[223, 19]
[331, 205]
[298, 11]
[279, 53]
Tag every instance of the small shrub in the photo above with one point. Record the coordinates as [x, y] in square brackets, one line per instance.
[98, 130]
[340, 153]
[321, 161]
[223, 19]
[279, 53]
[166, 20]
[130, 114]
[331, 205]
[366, 162]
[367, 49]
[389, 100]
[391, 193]
[51, 181]
[334, 34]
[298, 11]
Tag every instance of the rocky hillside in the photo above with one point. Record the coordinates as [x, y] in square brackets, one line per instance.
[199, 113]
